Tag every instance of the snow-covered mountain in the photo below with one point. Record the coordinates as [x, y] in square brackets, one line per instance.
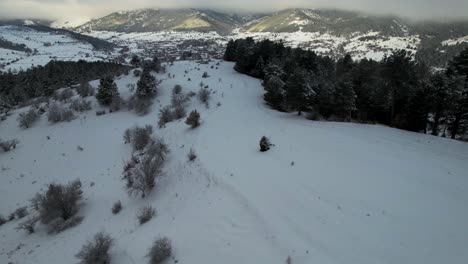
[325, 193]
[329, 32]
[151, 20]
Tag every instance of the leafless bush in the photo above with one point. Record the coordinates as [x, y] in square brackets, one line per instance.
[21, 212]
[141, 106]
[80, 105]
[204, 95]
[145, 214]
[96, 251]
[100, 113]
[3, 220]
[58, 204]
[64, 95]
[160, 250]
[27, 119]
[8, 144]
[177, 89]
[205, 75]
[58, 225]
[117, 207]
[142, 178]
[165, 116]
[179, 112]
[28, 225]
[193, 119]
[116, 103]
[158, 149]
[11, 217]
[85, 89]
[58, 113]
[140, 137]
[191, 155]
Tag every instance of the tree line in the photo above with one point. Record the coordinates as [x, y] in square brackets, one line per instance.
[397, 91]
[44, 80]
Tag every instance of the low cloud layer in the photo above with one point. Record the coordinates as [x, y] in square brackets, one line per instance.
[64, 9]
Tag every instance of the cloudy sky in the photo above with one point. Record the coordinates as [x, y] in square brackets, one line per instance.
[64, 9]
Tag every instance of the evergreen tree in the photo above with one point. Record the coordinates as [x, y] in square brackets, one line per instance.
[458, 69]
[275, 92]
[146, 86]
[344, 99]
[258, 71]
[107, 90]
[135, 61]
[299, 93]
[230, 54]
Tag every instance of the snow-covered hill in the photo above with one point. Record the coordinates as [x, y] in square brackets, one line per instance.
[325, 193]
[45, 46]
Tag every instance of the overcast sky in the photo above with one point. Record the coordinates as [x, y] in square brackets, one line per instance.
[64, 9]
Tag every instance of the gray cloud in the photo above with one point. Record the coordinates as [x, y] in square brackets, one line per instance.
[62, 9]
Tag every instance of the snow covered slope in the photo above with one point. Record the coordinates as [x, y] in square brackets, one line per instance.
[46, 46]
[325, 193]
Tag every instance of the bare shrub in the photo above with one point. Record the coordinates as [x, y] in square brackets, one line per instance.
[11, 217]
[142, 179]
[141, 106]
[191, 155]
[204, 95]
[193, 119]
[58, 113]
[165, 116]
[64, 95]
[115, 104]
[177, 89]
[80, 105]
[96, 251]
[85, 89]
[59, 203]
[100, 113]
[58, 225]
[145, 214]
[158, 149]
[3, 220]
[127, 135]
[160, 250]
[141, 137]
[21, 212]
[28, 225]
[179, 112]
[117, 207]
[8, 144]
[205, 75]
[27, 119]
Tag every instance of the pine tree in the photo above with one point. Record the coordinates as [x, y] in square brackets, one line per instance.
[458, 69]
[258, 71]
[299, 93]
[275, 92]
[106, 91]
[230, 54]
[344, 99]
[146, 86]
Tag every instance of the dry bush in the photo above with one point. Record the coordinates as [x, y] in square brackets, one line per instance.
[58, 225]
[142, 179]
[145, 214]
[158, 149]
[116, 103]
[58, 113]
[191, 155]
[160, 250]
[8, 144]
[64, 95]
[85, 89]
[140, 137]
[28, 225]
[80, 105]
[165, 116]
[139, 105]
[117, 207]
[58, 205]
[264, 144]
[193, 119]
[27, 119]
[21, 212]
[96, 251]
[3, 220]
[204, 96]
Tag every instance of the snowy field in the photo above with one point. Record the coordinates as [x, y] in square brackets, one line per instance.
[325, 193]
[49, 46]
